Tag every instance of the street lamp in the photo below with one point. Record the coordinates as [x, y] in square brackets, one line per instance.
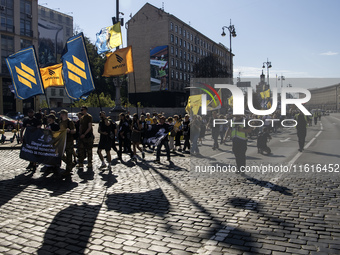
[269, 65]
[282, 78]
[232, 33]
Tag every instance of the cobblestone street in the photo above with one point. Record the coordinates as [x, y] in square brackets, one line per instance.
[149, 208]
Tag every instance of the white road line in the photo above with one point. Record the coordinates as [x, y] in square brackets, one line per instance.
[223, 233]
[334, 118]
[307, 145]
[219, 154]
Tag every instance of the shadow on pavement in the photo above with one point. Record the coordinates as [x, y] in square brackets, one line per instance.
[70, 230]
[12, 187]
[153, 201]
[269, 185]
[108, 178]
[86, 176]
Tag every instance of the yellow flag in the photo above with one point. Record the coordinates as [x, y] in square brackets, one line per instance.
[215, 103]
[262, 95]
[267, 93]
[230, 101]
[51, 76]
[115, 36]
[119, 62]
[269, 105]
[194, 104]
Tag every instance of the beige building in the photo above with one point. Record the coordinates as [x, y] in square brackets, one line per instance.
[326, 98]
[165, 50]
[18, 29]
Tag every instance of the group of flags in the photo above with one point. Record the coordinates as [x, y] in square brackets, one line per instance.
[74, 72]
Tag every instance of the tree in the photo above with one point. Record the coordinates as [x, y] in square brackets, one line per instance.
[92, 101]
[210, 67]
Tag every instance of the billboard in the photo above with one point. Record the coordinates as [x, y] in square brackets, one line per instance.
[159, 68]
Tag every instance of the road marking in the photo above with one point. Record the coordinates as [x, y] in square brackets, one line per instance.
[219, 154]
[335, 118]
[307, 145]
[223, 233]
[285, 140]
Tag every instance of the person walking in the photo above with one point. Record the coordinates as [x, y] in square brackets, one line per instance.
[86, 138]
[30, 121]
[105, 141]
[301, 129]
[68, 125]
[136, 137]
[163, 130]
[123, 134]
[186, 132]
[239, 134]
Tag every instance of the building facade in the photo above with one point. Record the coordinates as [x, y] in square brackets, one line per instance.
[18, 30]
[54, 30]
[165, 51]
[326, 98]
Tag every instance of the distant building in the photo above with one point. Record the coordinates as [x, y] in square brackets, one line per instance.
[326, 98]
[18, 30]
[165, 50]
[262, 86]
[54, 30]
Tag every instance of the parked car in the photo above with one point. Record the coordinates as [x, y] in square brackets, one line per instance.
[73, 116]
[15, 115]
[9, 122]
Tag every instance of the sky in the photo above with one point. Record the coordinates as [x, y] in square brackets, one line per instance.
[300, 38]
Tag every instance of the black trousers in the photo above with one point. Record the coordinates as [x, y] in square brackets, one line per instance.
[239, 150]
[302, 138]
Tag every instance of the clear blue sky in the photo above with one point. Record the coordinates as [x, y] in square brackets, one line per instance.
[300, 37]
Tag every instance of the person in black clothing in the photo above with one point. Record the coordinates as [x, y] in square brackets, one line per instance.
[123, 134]
[51, 123]
[28, 122]
[215, 131]
[136, 136]
[186, 132]
[163, 130]
[105, 141]
[262, 140]
[143, 129]
[301, 129]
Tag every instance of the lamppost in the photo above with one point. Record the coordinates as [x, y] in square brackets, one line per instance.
[269, 65]
[232, 33]
[282, 78]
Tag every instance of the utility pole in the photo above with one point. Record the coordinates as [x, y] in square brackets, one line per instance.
[118, 108]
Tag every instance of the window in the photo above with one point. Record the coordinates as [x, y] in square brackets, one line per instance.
[53, 92]
[7, 48]
[180, 42]
[172, 38]
[176, 63]
[184, 33]
[7, 16]
[26, 18]
[61, 92]
[25, 43]
[180, 76]
[176, 29]
[172, 74]
[171, 26]
[176, 52]
[176, 75]
[180, 53]
[180, 31]
[185, 55]
[192, 38]
[188, 56]
[172, 62]
[176, 40]
[172, 50]
[181, 65]
[184, 44]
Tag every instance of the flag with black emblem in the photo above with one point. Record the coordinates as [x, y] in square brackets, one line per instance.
[52, 76]
[119, 62]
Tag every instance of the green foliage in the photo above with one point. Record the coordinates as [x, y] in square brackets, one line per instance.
[92, 101]
[43, 104]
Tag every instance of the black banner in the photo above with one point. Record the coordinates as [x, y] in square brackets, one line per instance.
[43, 146]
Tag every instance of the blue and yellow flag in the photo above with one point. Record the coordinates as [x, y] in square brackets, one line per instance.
[76, 69]
[24, 70]
[109, 38]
